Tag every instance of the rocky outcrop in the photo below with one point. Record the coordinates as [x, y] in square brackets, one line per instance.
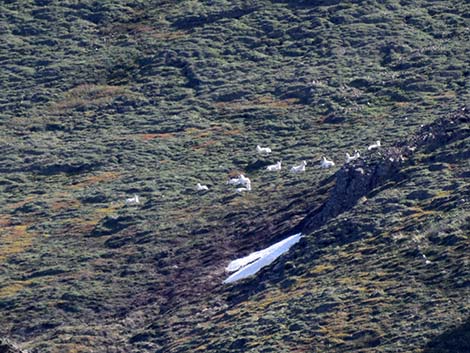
[357, 179]
[7, 346]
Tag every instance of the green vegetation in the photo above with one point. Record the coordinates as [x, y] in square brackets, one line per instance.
[101, 100]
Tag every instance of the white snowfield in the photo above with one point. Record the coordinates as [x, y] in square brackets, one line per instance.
[249, 265]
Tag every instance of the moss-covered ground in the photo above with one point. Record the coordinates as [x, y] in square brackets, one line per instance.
[103, 100]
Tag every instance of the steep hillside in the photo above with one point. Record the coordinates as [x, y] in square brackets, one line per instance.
[104, 100]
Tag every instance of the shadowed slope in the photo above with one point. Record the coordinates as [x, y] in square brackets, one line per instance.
[104, 100]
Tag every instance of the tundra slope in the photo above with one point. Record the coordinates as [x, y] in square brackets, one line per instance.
[359, 279]
[102, 100]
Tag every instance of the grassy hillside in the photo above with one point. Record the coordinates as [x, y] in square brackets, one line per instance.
[104, 100]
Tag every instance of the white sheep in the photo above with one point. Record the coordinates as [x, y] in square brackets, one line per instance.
[299, 168]
[247, 188]
[325, 163]
[244, 180]
[274, 167]
[426, 259]
[350, 158]
[374, 146]
[241, 179]
[200, 187]
[133, 200]
[234, 181]
[263, 150]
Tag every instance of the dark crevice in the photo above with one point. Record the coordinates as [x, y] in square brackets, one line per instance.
[192, 21]
[455, 340]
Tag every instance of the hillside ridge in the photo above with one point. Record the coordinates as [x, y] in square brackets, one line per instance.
[101, 101]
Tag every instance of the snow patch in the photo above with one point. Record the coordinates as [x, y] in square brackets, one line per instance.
[249, 265]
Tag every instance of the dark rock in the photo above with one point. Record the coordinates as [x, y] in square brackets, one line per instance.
[99, 198]
[39, 98]
[324, 308]
[48, 272]
[27, 30]
[360, 177]
[437, 167]
[465, 175]
[257, 165]
[452, 240]
[197, 20]
[126, 238]
[334, 119]
[232, 95]
[300, 92]
[455, 340]
[419, 195]
[353, 181]
[68, 307]
[111, 225]
[200, 231]
[32, 207]
[55, 127]
[6, 346]
[295, 327]
[239, 343]
[42, 2]
[140, 337]
[67, 168]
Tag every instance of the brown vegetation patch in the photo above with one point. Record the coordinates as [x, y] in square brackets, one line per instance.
[5, 220]
[259, 102]
[402, 104]
[191, 131]
[94, 179]
[418, 212]
[199, 133]
[183, 215]
[81, 228]
[73, 347]
[87, 94]
[234, 173]
[245, 200]
[203, 134]
[204, 145]
[11, 289]
[87, 223]
[166, 135]
[219, 129]
[15, 205]
[169, 35]
[443, 95]
[144, 29]
[61, 205]
[232, 132]
[14, 239]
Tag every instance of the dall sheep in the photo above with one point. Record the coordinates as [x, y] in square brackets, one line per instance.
[374, 146]
[247, 188]
[133, 200]
[350, 158]
[244, 180]
[274, 167]
[263, 150]
[299, 168]
[200, 187]
[234, 181]
[325, 163]
[426, 259]
[239, 180]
